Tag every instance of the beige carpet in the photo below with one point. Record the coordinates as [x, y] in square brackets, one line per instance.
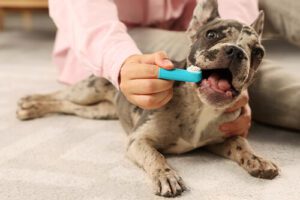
[68, 158]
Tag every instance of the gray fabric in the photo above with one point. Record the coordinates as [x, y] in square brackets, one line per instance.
[275, 95]
[284, 17]
[69, 158]
[149, 40]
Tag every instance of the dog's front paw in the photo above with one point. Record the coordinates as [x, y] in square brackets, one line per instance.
[167, 183]
[29, 109]
[261, 168]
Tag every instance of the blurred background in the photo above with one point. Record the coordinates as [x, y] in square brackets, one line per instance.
[26, 38]
[27, 34]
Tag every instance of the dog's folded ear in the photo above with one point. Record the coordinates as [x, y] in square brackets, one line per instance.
[204, 12]
[258, 24]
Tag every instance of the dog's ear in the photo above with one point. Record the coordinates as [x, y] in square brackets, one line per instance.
[258, 24]
[204, 12]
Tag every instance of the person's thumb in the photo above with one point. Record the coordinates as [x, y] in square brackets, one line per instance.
[162, 60]
[159, 58]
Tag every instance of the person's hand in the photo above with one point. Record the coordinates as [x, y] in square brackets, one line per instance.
[139, 82]
[241, 125]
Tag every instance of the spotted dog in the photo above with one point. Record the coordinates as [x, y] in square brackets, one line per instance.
[228, 52]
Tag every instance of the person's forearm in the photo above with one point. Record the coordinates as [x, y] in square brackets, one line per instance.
[99, 40]
[244, 11]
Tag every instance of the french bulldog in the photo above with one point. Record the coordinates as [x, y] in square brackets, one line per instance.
[228, 53]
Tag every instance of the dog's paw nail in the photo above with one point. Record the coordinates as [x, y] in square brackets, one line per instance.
[169, 184]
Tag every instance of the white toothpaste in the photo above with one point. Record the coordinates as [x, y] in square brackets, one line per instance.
[193, 68]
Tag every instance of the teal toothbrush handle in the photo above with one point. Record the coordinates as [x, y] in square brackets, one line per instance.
[179, 75]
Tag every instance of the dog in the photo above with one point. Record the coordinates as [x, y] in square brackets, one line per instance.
[228, 53]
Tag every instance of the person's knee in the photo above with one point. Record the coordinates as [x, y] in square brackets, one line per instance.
[150, 40]
[285, 19]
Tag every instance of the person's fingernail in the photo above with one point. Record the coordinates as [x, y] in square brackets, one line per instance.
[167, 62]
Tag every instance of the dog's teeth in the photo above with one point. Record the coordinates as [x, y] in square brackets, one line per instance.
[229, 93]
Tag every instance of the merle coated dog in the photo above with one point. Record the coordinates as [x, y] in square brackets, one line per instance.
[228, 52]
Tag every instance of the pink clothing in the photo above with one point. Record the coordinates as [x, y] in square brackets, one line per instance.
[92, 34]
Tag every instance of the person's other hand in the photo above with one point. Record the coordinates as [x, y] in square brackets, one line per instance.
[241, 125]
[139, 82]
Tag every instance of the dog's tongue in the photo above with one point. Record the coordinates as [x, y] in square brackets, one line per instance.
[218, 84]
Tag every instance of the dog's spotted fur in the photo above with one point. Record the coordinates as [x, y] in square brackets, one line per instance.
[190, 120]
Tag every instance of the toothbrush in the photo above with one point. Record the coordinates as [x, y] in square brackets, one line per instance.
[191, 74]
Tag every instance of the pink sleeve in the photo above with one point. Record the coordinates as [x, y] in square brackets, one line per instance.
[99, 40]
[245, 11]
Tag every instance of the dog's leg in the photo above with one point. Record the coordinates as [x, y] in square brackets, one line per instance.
[35, 109]
[239, 150]
[90, 98]
[86, 92]
[165, 180]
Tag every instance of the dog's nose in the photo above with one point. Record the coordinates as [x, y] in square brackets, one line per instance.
[234, 52]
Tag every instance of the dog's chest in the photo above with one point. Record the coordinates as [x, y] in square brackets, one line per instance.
[204, 132]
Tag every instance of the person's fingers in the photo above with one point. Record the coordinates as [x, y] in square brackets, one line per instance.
[238, 130]
[158, 58]
[152, 101]
[147, 86]
[139, 71]
[162, 60]
[242, 101]
[147, 58]
[167, 99]
[246, 133]
[240, 126]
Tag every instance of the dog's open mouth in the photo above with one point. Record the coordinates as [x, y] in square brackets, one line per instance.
[218, 81]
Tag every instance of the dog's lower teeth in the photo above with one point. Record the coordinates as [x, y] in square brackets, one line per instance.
[228, 93]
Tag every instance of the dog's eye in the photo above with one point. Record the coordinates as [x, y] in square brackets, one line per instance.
[211, 35]
[258, 53]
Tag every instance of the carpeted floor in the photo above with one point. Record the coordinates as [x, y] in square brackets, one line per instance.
[68, 158]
